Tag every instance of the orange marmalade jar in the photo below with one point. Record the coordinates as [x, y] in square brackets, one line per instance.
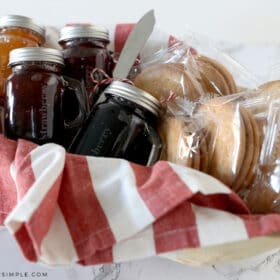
[16, 32]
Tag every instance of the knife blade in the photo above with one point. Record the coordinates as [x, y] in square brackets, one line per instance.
[133, 45]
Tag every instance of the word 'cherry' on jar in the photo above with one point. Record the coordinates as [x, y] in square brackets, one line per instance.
[16, 32]
[85, 49]
[36, 91]
[124, 126]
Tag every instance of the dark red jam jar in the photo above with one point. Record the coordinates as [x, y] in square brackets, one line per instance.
[122, 126]
[85, 49]
[37, 107]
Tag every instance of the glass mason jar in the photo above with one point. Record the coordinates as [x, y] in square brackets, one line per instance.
[122, 126]
[38, 107]
[16, 32]
[85, 49]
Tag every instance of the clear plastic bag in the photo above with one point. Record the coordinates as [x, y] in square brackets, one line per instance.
[257, 101]
[233, 141]
[264, 196]
[185, 74]
[192, 72]
[166, 74]
[183, 140]
[216, 136]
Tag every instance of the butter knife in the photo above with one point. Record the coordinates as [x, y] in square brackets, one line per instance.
[133, 45]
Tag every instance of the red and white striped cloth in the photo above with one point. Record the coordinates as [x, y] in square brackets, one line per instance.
[63, 208]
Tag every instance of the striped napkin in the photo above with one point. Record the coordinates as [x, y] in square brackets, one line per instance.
[63, 208]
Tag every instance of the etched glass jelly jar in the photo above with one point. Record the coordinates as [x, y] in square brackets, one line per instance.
[122, 126]
[36, 91]
[16, 32]
[85, 49]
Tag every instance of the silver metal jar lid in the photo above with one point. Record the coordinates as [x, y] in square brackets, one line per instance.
[135, 95]
[18, 56]
[83, 31]
[21, 21]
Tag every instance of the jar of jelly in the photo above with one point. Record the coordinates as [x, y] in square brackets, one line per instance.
[122, 126]
[85, 49]
[37, 107]
[16, 32]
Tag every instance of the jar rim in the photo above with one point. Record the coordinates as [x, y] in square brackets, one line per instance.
[135, 95]
[83, 31]
[35, 54]
[22, 21]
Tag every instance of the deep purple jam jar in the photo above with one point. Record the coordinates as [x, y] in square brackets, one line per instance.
[124, 126]
[38, 96]
[85, 50]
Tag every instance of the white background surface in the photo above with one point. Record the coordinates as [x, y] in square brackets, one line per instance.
[249, 21]
[238, 20]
